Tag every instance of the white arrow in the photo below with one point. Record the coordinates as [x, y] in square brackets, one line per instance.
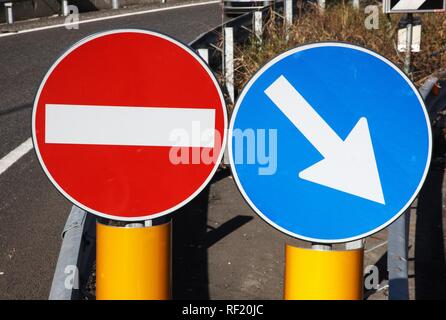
[349, 165]
[408, 4]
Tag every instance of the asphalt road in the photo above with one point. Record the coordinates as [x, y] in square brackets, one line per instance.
[32, 212]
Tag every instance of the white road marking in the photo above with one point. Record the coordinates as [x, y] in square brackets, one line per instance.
[122, 15]
[15, 155]
[129, 126]
[349, 165]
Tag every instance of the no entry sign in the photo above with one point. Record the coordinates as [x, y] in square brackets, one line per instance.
[129, 124]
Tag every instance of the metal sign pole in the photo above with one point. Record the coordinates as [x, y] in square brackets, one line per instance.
[64, 8]
[409, 28]
[228, 62]
[8, 11]
[288, 14]
[257, 24]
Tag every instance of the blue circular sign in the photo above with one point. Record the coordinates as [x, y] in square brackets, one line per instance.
[329, 142]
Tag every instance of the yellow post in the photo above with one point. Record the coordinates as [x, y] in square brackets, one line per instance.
[323, 275]
[133, 263]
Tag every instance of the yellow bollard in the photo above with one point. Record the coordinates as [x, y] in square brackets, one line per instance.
[133, 263]
[323, 275]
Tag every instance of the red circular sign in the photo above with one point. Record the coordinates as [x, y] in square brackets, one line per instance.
[129, 124]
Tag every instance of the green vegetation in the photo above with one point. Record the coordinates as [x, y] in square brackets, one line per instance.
[341, 22]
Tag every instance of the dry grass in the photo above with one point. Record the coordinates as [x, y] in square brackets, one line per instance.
[341, 22]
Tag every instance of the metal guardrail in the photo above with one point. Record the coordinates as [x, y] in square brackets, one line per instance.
[398, 238]
[240, 6]
[212, 39]
[76, 257]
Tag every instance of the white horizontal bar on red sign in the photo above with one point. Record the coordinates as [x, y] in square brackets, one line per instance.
[129, 126]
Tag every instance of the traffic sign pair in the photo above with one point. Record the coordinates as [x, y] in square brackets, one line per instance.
[130, 125]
